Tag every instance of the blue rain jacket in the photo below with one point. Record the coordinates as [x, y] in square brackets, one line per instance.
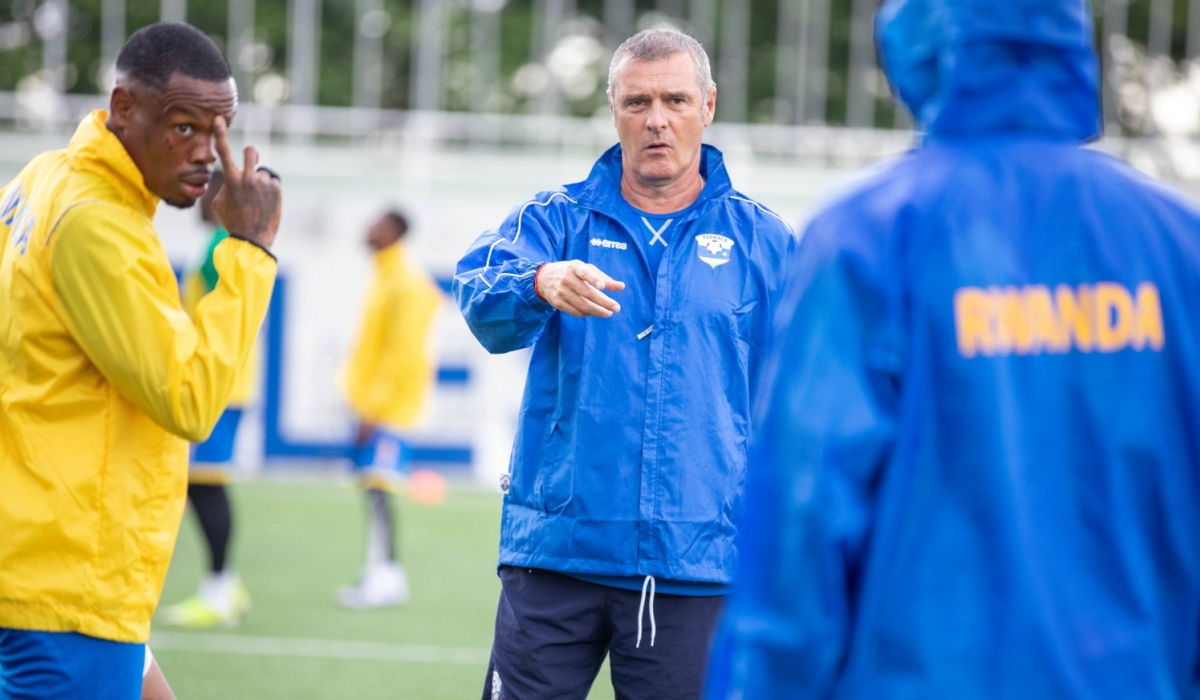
[978, 475]
[630, 451]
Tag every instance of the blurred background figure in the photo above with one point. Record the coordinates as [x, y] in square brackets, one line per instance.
[978, 473]
[221, 598]
[386, 381]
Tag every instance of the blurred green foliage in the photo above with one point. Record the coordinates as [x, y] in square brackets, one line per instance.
[21, 51]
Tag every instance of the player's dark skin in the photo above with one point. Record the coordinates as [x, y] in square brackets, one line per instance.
[155, 686]
[175, 136]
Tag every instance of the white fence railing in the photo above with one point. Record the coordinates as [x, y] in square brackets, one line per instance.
[786, 62]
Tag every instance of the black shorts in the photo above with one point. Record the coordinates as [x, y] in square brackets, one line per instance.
[553, 632]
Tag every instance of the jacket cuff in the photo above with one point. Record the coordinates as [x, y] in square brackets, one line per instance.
[530, 290]
[255, 244]
[536, 289]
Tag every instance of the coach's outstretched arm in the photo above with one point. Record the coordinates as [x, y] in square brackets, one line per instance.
[177, 370]
[513, 279]
[825, 433]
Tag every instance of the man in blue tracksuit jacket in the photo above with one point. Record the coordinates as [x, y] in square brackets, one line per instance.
[646, 292]
[978, 473]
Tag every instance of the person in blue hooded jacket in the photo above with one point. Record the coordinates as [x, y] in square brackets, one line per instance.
[646, 292]
[978, 469]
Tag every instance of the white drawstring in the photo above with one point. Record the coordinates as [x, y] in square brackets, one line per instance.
[642, 606]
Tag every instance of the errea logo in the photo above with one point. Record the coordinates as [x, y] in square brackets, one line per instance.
[605, 243]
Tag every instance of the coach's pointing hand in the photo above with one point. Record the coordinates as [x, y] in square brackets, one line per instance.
[249, 202]
[576, 288]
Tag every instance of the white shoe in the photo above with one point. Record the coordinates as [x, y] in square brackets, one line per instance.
[383, 586]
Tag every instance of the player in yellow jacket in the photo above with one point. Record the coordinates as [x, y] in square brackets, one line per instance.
[103, 377]
[221, 598]
[386, 381]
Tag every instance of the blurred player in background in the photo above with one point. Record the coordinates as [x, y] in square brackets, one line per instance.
[222, 599]
[386, 381]
[105, 377]
[978, 474]
[628, 463]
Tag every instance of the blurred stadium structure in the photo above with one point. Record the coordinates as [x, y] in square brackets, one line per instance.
[511, 71]
[459, 109]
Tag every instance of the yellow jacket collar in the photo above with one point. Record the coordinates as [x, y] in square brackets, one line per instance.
[95, 149]
[391, 257]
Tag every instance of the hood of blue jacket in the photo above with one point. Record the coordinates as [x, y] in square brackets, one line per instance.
[975, 67]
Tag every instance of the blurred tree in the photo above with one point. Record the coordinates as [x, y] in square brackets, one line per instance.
[574, 68]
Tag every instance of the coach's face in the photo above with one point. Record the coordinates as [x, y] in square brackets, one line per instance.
[660, 112]
[169, 132]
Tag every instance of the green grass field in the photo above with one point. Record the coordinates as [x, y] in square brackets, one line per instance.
[294, 545]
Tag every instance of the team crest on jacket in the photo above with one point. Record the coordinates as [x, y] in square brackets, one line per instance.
[713, 249]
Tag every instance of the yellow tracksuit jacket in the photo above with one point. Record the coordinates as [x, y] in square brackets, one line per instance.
[390, 370]
[103, 380]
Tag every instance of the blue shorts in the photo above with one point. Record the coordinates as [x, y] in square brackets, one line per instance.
[68, 666]
[386, 455]
[553, 632]
[218, 448]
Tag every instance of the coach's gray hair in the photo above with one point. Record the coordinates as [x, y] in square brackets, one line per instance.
[657, 44]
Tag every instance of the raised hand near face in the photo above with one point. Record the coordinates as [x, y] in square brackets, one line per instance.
[250, 200]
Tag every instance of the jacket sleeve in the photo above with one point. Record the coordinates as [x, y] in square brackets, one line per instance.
[782, 265]
[178, 370]
[826, 426]
[494, 281]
